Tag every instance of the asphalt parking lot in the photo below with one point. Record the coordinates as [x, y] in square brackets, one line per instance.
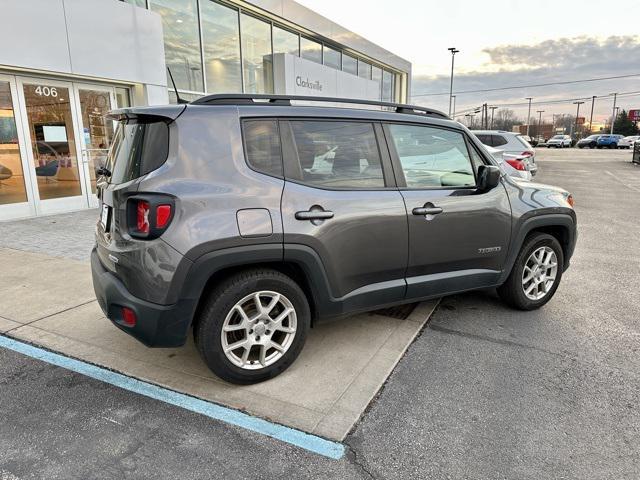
[483, 391]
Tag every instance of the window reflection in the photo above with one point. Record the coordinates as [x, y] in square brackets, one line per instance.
[376, 76]
[310, 50]
[387, 87]
[285, 42]
[181, 41]
[256, 53]
[349, 64]
[221, 47]
[364, 69]
[12, 189]
[331, 57]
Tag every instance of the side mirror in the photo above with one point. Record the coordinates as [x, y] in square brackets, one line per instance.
[488, 177]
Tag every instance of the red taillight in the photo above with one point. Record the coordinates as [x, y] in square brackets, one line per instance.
[571, 201]
[163, 214]
[128, 317]
[517, 164]
[142, 217]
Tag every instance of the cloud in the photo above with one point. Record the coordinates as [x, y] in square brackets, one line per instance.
[549, 61]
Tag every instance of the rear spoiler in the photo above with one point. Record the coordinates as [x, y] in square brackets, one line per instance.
[162, 113]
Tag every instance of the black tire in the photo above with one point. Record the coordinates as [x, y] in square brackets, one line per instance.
[512, 291]
[219, 303]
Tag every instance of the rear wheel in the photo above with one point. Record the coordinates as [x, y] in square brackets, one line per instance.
[253, 326]
[536, 273]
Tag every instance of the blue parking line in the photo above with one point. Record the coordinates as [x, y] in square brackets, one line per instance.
[292, 436]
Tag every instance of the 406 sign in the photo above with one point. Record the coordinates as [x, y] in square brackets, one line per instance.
[46, 91]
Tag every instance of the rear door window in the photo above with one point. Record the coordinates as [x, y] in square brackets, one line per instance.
[336, 154]
[137, 149]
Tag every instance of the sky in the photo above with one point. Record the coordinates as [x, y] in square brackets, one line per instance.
[506, 43]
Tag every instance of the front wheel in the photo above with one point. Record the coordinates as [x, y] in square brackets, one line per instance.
[253, 326]
[536, 273]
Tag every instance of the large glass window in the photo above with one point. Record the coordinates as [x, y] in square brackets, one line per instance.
[331, 58]
[432, 157]
[364, 69]
[285, 42]
[262, 146]
[337, 154]
[376, 76]
[387, 86]
[349, 64]
[98, 130]
[310, 50]
[221, 47]
[181, 41]
[12, 188]
[256, 55]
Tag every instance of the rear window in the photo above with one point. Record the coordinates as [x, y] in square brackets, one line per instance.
[524, 142]
[498, 141]
[137, 149]
[484, 138]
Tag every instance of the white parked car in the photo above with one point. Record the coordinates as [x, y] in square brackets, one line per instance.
[512, 165]
[628, 142]
[559, 141]
[510, 143]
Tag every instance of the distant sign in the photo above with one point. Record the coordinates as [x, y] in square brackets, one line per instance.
[634, 115]
[580, 121]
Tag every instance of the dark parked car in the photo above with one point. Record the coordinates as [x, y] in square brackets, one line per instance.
[591, 141]
[248, 219]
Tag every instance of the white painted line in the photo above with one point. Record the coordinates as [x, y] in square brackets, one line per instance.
[636, 189]
[289, 435]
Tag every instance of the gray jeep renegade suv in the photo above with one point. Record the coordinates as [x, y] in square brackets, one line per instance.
[248, 218]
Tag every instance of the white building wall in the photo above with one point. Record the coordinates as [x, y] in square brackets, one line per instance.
[92, 39]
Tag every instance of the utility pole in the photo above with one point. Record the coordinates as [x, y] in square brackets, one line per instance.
[593, 101]
[453, 115]
[540, 112]
[493, 107]
[613, 113]
[577, 113]
[453, 56]
[528, 114]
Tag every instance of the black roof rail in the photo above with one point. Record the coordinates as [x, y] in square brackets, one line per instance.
[250, 99]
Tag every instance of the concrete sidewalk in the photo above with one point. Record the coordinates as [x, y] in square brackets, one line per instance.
[49, 301]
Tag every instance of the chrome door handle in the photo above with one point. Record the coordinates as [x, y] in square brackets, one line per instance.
[426, 210]
[314, 215]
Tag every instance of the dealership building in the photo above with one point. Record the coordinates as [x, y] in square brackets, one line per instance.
[65, 63]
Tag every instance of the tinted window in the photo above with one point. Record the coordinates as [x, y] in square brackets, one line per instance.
[432, 157]
[484, 138]
[137, 149]
[262, 146]
[498, 140]
[337, 154]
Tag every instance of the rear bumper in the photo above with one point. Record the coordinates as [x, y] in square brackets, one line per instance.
[156, 325]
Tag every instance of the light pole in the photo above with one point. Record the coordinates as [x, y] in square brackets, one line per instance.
[613, 113]
[493, 107]
[577, 113]
[453, 56]
[540, 112]
[470, 119]
[528, 114]
[593, 101]
[454, 107]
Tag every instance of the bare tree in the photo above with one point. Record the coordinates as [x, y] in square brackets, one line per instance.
[505, 119]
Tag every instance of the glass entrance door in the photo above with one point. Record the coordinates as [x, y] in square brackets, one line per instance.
[50, 113]
[15, 194]
[97, 131]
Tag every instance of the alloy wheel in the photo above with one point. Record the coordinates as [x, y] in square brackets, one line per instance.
[258, 330]
[539, 274]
